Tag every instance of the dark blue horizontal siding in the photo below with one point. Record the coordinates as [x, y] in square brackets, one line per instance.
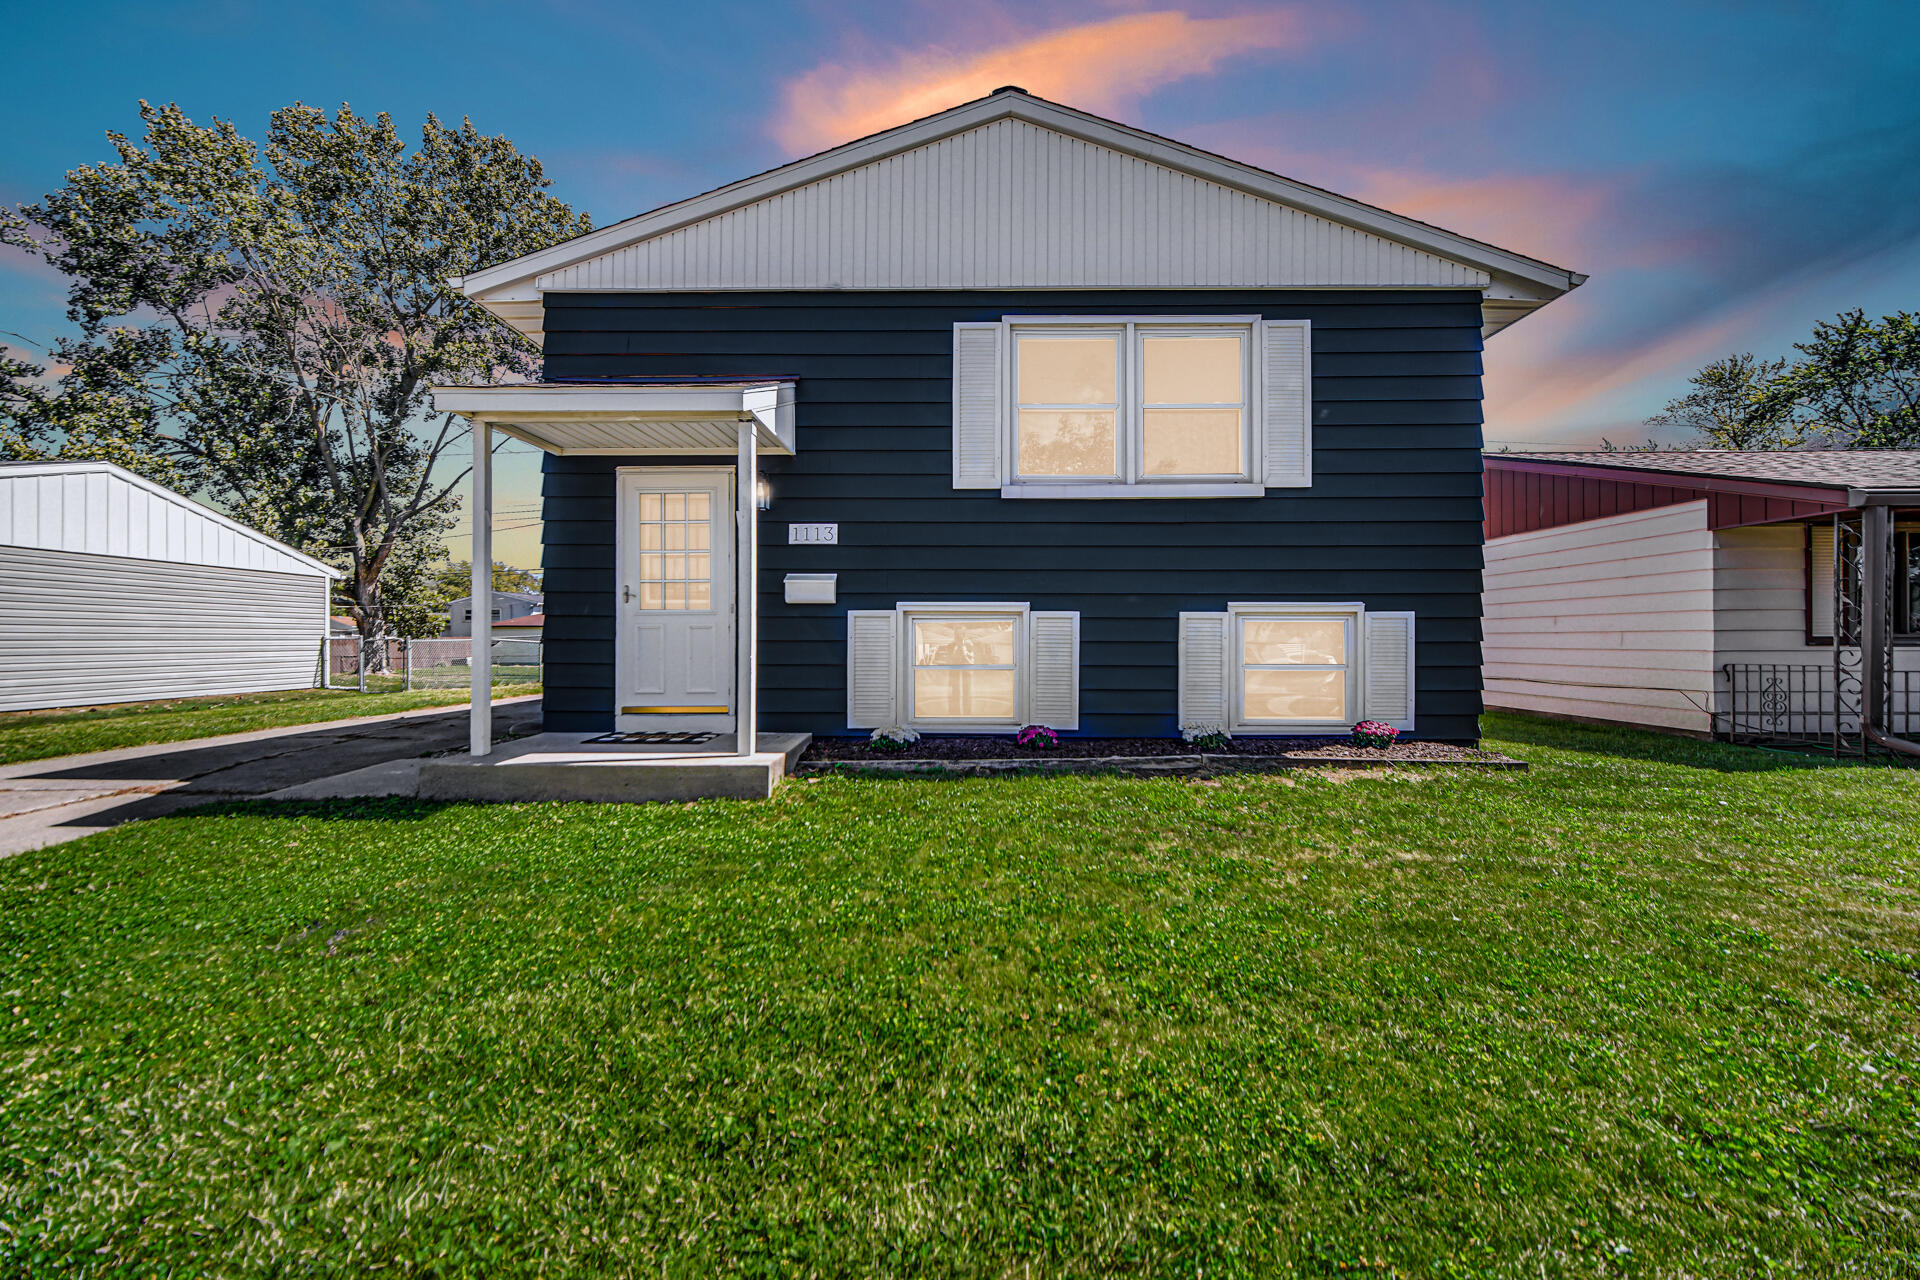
[1393, 518]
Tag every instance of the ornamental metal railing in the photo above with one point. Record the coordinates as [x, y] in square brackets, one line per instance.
[1795, 704]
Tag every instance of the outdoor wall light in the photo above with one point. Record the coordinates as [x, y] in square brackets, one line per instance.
[763, 493]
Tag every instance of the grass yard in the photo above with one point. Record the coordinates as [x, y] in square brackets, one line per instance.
[1646, 1010]
[64, 731]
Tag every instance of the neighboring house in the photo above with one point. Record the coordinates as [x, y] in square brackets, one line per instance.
[116, 589]
[1696, 591]
[530, 627]
[1052, 420]
[341, 625]
[507, 605]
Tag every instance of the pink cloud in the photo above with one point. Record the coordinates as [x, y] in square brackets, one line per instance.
[1102, 67]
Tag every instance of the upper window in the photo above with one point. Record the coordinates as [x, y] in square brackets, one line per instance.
[1131, 406]
[1132, 403]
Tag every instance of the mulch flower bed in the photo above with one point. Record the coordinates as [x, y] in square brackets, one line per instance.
[964, 750]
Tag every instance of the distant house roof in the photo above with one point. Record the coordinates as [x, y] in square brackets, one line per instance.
[1529, 491]
[531, 620]
[1830, 468]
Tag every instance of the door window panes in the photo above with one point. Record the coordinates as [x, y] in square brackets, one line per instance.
[676, 558]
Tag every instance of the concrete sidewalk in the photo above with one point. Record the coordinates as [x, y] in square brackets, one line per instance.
[46, 802]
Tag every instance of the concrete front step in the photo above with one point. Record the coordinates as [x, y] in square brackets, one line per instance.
[564, 766]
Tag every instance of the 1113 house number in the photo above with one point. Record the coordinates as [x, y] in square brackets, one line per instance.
[818, 534]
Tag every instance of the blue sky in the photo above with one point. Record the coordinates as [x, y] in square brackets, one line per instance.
[1727, 173]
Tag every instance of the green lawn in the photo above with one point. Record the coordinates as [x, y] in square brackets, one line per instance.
[40, 735]
[1648, 1009]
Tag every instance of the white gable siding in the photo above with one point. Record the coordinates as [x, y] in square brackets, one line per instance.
[1608, 619]
[1012, 205]
[94, 509]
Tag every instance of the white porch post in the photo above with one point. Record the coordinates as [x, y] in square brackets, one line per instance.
[480, 741]
[746, 696]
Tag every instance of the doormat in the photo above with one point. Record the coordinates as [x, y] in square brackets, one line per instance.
[653, 739]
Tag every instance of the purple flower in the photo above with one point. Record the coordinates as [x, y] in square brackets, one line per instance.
[1037, 737]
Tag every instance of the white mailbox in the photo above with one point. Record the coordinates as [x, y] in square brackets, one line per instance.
[811, 588]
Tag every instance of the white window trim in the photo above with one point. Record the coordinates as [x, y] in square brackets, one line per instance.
[1352, 610]
[907, 610]
[1130, 425]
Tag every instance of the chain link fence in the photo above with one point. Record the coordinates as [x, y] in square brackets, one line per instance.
[444, 663]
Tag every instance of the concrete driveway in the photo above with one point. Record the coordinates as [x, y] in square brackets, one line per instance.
[49, 801]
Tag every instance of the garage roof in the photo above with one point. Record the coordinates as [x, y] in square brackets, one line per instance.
[97, 508]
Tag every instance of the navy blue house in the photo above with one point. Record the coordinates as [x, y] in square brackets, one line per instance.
[1010, 415]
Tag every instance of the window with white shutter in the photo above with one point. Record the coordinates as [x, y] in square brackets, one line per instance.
[1206, 683]
[957, 667]
[1132, 406]
[1389, 668]
[1279, 667]
[872, 662]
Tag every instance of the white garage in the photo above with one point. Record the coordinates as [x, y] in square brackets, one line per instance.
[116, 589]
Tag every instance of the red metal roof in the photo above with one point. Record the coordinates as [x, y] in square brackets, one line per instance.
[1528, 491]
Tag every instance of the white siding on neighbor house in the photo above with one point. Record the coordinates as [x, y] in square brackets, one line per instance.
[82, 629]
[1608, 619]
[1007, 205]
[1760, 604]
[101, 510]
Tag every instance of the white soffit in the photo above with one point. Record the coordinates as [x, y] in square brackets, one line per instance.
[97, 508]
[587, 418]
[1013, 192]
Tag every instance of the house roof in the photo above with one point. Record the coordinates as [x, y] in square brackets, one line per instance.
[1826, 468]
[997, 193]
[101, 509]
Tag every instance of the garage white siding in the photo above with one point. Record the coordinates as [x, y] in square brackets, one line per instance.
[114, 589]
[1608, 619]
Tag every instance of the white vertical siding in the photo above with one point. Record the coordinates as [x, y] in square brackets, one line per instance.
[100, 510]
[81, 629]
[1609, 619]
[1012, 205]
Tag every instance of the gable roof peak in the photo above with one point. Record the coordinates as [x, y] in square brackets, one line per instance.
[1512, 283]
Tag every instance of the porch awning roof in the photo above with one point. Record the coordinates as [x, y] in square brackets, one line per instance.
[582, 418]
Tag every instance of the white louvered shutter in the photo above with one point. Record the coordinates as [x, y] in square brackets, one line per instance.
[1053, 657]
[1286, 403]
[1820, 580]
[978, 398]
[873, 660]
[1389, 669]
[1206, 679]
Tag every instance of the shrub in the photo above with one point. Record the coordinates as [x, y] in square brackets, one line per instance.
[1206, 737]
[1372, 733]
[893, 738]
[1037, 737]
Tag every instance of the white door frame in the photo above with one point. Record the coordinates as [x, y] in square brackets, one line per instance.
[726, 497]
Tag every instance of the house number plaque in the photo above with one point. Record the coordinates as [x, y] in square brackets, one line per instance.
[815, 534]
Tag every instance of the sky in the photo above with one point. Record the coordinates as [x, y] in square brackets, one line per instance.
[1727, 173]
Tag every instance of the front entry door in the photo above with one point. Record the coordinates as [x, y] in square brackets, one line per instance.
[674, 656]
